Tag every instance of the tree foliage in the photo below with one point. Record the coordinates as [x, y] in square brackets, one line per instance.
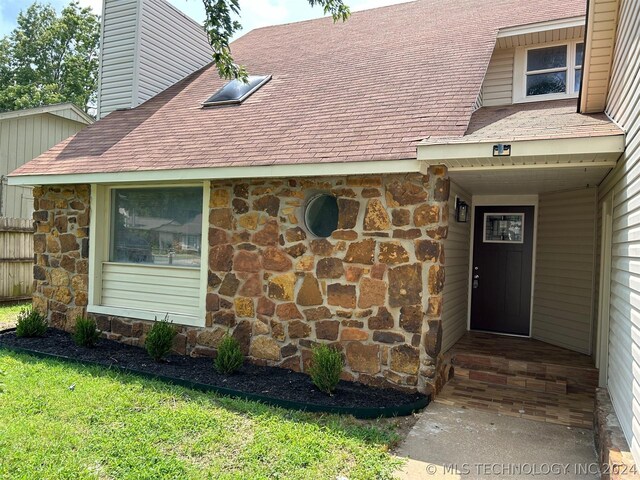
[50, 59]
[221, 26]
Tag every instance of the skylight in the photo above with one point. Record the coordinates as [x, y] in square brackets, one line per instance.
[236, 91]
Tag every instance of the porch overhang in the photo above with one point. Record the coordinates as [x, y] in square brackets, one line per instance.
[533, 166]
[600, 151]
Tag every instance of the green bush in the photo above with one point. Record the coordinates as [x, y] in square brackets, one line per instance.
[326, 367]
[31, 323]
[160, 338]
[229, 357]
[86, 333]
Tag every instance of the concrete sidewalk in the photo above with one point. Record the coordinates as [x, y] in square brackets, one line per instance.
[448, 442]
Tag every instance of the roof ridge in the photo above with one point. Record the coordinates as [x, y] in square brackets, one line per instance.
[325, 17]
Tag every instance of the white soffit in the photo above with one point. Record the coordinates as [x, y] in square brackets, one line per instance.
[602, 151]
[556, 24]
[524, 180]
[543, 32]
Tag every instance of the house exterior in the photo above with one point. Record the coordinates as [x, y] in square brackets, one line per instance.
[25, 134]
[332, 195]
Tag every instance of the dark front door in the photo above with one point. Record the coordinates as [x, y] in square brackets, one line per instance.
[501, 275]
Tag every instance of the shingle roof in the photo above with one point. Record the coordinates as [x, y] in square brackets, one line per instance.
[367, 89]
[531, 121]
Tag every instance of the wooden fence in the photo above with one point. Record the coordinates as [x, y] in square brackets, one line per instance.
[16, 258]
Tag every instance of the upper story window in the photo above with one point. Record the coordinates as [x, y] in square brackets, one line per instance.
[549, 72]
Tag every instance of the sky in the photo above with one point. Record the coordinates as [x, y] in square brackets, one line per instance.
[254, 14]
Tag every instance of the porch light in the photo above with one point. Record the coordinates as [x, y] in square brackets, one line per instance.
[501, 150]
[462, 211]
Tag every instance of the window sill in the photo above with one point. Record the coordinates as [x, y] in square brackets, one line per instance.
[195, 268]
[545, 98]
[176, 318]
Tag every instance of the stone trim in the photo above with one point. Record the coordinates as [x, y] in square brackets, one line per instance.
[61, 246]
[614, 455]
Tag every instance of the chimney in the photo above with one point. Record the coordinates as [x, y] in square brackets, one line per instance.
[146, 46]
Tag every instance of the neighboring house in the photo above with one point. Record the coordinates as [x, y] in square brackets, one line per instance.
[333, 191]
[24, 135]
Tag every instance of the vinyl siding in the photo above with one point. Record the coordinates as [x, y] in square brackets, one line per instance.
[456, 288]
[498, 82]
[117, 55]
[565, 263]
[147, 46]
[623, 105]
[172, 46]
[171, 290]
[22, 139]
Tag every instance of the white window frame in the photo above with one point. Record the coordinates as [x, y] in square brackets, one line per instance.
[99, 250]
[520, 72]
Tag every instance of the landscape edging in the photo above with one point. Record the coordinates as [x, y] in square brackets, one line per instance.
[357, 412]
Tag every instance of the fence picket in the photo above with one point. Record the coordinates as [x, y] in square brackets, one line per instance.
[16, 258]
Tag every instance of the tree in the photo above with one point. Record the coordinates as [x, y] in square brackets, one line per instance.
[220, 27]
[50, 59]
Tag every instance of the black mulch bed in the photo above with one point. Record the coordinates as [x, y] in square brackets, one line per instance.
[270, 382]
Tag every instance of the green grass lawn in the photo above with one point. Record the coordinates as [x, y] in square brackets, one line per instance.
[116, 426]
[9, 313]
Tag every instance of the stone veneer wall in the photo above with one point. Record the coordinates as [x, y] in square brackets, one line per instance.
[373, 289]
[61, 247]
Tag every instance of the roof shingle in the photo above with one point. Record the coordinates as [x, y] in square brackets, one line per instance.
[367, 89]
[531, 121]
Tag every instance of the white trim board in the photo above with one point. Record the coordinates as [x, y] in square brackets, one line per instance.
[604, 290]
[213, 173]
[578, 21]
[524, 151]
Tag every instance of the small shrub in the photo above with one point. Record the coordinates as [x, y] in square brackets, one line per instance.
[229, 357]
[31, 323]
[86, 333]
[160, 339]
[326, 367]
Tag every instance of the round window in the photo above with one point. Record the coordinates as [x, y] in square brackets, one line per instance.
[321, 215]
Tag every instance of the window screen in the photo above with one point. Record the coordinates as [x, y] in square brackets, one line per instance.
[160, 226]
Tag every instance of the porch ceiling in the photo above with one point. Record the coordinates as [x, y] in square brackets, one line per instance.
[527, 181]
